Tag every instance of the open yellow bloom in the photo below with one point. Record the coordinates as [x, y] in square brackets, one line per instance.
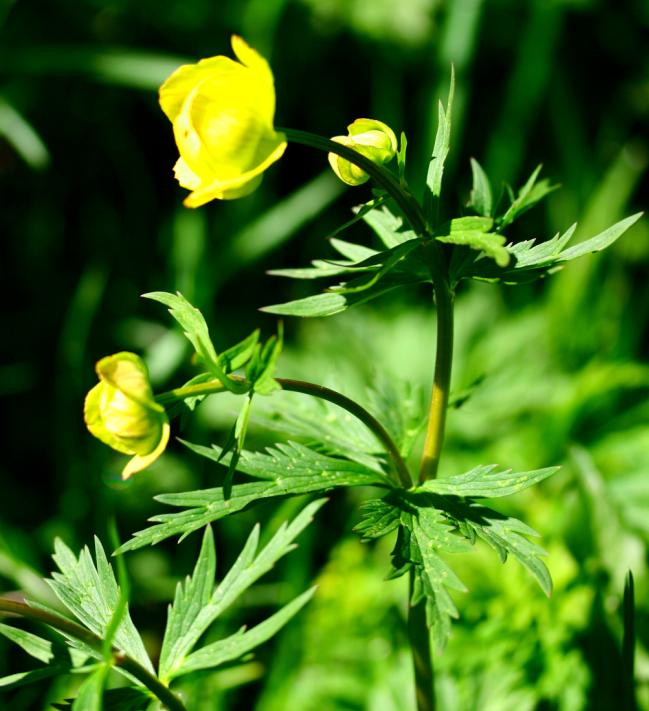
[222, 114]
[121, 412]
[371, 138]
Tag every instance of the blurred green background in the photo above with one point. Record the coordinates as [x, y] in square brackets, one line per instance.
[92, 217]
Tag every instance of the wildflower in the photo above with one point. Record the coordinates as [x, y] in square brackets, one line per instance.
[371, 138]
[222, 114]
[121, 412]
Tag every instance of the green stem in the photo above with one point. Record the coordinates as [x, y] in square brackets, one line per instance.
[442, 376]
[422, 659]
[302, 386]
[417, 627]
[119, 659]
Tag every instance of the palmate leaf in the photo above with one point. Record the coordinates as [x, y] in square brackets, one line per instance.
[90, 592]
[286, 470]
[198, 603]
[441, 517]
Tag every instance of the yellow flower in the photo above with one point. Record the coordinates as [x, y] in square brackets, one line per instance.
[121, 412]
[222, 114]
[371, 138]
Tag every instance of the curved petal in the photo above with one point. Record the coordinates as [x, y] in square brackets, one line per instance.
[174, 90]
[139, 462]
[239, 186]
[264, 81]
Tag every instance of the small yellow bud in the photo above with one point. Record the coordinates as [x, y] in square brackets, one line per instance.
[222, 114]
[371, 138]
[121, 412]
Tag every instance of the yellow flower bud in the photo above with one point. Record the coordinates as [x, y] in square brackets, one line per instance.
[371, 138]
[121, 412]
[222, 114]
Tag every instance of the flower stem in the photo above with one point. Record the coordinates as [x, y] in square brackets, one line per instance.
[422, 659]
[302, 386]
[119, 659]
[442, 376]
[417, 628]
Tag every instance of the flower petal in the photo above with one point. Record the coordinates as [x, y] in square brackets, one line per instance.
[237, 187]
[139, 462]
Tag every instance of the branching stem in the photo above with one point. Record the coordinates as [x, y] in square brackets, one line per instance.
[119, 659]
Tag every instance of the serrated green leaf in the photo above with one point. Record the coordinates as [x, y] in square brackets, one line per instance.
[355, 254]
[481, 199]
[289, 469]
[440, 152]
[319, 305]
[320, 421]
[529, 195]
[490, 243]
[402, 555]
[191, 320]
[379, 517]
[401, 407]
[486, 482]
[240, 643]
[506, 535]
[602, 240]
[247, 569]
[435, 577]
[193, 323]
[190, 598]
[388, 227]
[528, 254]
[91, 594]
[389, 260]
[238, 355]
[35, 646]
[330, 303]
[262, 368]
